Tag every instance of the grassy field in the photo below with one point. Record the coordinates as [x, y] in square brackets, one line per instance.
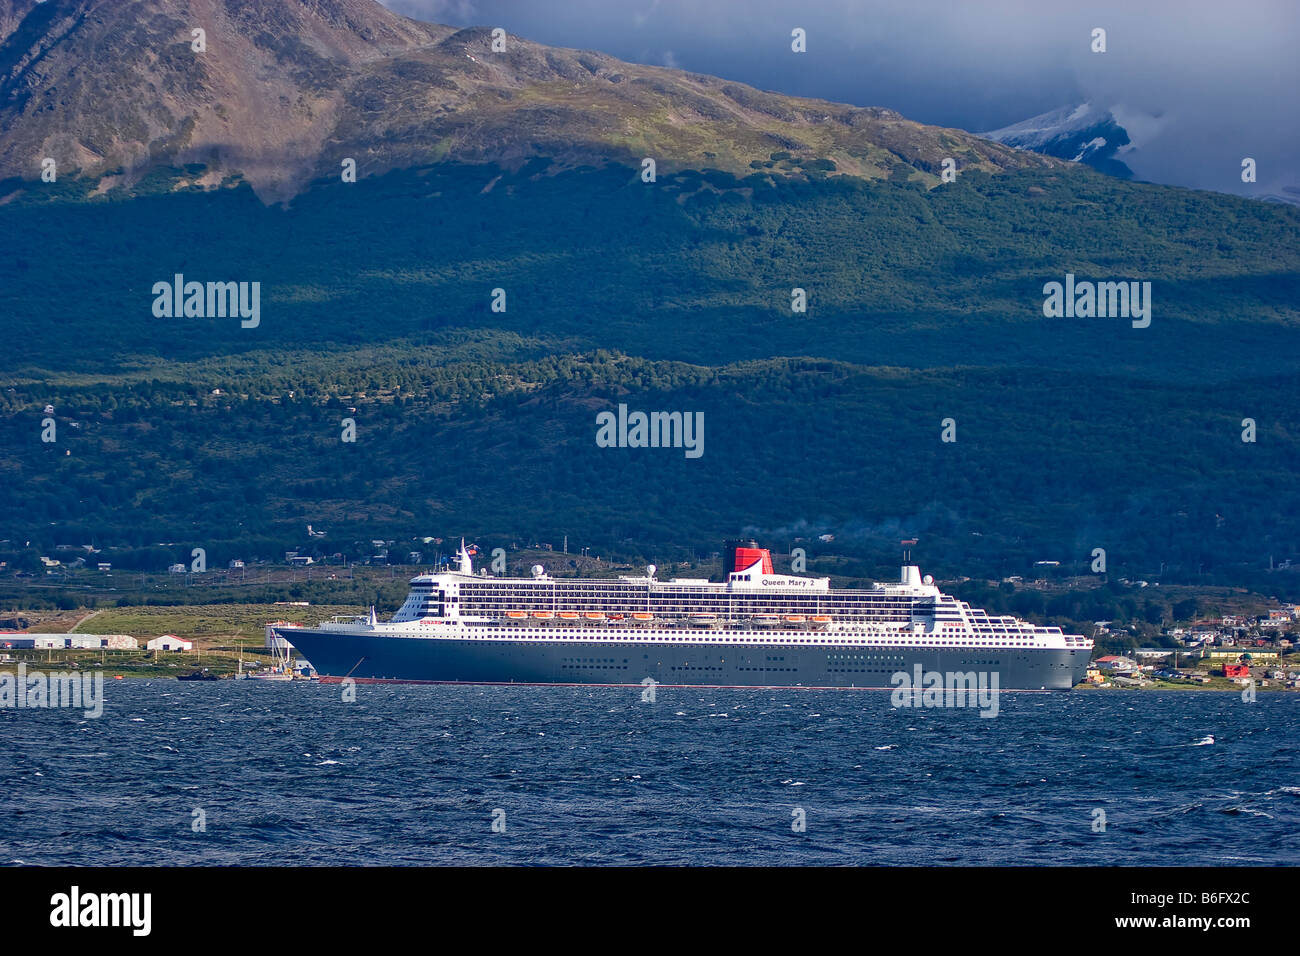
[209, 624]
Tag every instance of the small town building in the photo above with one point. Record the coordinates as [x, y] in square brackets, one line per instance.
[114, 642]
[1239, 652]
[170, 642]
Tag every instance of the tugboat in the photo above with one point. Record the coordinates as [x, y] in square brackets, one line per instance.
[198, 675]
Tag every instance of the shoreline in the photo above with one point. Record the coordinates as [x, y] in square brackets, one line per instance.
[111, 673]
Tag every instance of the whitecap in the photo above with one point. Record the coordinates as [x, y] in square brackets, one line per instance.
[1248, 811]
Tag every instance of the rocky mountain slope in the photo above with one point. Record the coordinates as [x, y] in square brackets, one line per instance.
[285, 90]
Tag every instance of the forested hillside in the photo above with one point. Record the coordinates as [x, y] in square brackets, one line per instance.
[675, 296]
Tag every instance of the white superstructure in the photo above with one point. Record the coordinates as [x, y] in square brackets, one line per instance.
[753, 606]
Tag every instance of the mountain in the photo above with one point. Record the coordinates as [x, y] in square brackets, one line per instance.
[112, 90]
[925, 303]
[1081, 134]
[287, 89]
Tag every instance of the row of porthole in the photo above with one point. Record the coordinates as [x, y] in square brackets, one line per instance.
[822, 643]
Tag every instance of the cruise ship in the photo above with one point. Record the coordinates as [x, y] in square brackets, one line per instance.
[755, 628]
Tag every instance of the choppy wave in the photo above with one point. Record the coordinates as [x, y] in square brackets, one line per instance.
[414, 775]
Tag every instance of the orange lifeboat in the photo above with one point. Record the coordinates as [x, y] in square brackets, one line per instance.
[569, 615]
[795, 618]
[820, 618]
[516, 615]
[543, 615]
[642, 616]
[595, 615]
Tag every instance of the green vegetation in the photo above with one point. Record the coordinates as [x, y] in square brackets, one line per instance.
[923, 305]
[199, 622]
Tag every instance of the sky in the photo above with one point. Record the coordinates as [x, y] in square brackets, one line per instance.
[1198, 85]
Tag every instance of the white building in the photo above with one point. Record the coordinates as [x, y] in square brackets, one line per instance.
[113, 642]
[170, 642]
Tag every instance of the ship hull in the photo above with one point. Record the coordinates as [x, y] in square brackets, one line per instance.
[368, 657]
